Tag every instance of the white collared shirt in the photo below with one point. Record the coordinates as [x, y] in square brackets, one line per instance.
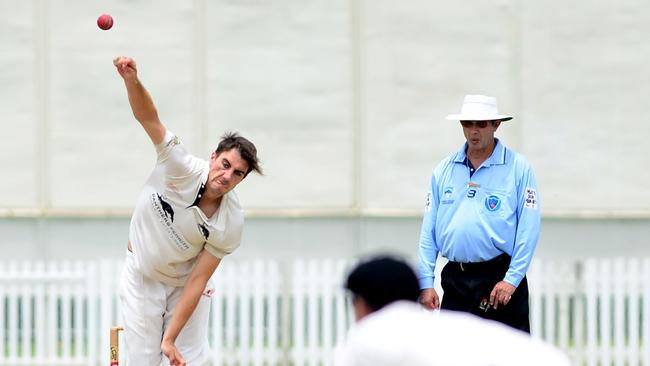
[167, 232]
[403, 333]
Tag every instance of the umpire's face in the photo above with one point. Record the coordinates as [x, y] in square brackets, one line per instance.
[227, 169]
[479, 134]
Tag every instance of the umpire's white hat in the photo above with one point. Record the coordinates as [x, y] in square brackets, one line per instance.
[479, 108]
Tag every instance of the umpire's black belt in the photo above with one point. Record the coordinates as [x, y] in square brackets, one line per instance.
[498, 262]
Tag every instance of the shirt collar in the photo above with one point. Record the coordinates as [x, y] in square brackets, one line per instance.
[221, 218]
[498, 156]
[204, 181]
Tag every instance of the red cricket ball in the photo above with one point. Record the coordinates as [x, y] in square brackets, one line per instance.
[105, 21]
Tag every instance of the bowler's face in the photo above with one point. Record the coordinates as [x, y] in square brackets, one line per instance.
[226, 171]
[479, 134]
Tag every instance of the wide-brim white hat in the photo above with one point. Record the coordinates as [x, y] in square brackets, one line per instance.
[479, 108]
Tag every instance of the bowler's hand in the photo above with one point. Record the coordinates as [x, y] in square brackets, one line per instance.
[501, 294]
[429, 299]
[171, 352]
[126, 68]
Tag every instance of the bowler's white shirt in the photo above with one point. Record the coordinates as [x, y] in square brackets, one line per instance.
[404, 334]
[167, 232]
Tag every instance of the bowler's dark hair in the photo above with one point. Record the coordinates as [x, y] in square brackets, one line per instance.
[247, 150]
[383, 280]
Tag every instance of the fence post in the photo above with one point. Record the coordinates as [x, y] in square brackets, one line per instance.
[590, 279]
[605, 280]
[105, 312]
[632, 276]
[298, 339]
[537, 287]
[273, 330]
[231, 313]
[25, 295]
[314, 287]
[329, 282]
[217, 346]
[619, 285]
[13, 313]
[260, 288]
[91, 312]
[39, 311]
[579, 306]
[66, 323]
[563, 280]
[550, 293]
[646, 311]
[244, 295]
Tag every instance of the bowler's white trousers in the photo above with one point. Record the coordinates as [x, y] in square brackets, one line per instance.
[147, 309]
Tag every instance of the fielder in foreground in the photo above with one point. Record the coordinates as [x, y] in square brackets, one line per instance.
[186, 219]
[393, 330]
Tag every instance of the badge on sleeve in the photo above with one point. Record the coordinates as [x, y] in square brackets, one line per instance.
[427, 202]
[531, 198]
[447, 195]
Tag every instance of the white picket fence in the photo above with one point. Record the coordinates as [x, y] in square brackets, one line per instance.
[267, 313]
[598, 310]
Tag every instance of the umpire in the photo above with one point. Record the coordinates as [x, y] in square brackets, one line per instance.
[482, 213]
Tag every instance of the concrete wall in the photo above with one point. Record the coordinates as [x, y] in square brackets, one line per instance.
[345, 99]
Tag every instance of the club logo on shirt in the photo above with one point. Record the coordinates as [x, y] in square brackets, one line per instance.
[492, 202]
[447, 193]
[165, 214]
[204, 231]
[167, 208]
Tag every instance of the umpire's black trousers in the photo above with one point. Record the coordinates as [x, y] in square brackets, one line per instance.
[467, 287]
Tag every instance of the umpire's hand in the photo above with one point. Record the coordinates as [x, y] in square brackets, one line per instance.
[429, 299]
[501, 294]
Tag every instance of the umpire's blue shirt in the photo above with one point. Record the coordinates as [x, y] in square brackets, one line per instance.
[476, 219]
